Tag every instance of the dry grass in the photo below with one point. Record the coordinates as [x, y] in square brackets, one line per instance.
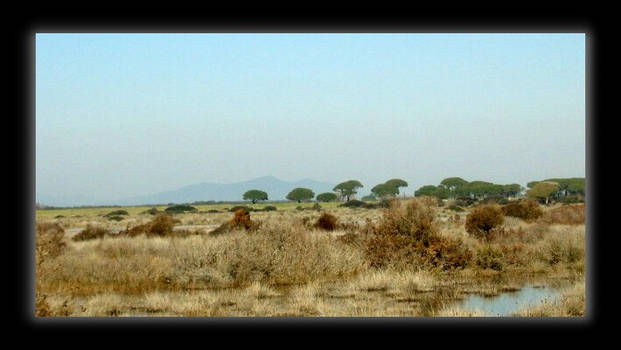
[287, 267]
[574, 214]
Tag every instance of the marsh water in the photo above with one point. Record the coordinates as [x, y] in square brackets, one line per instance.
[506, 304]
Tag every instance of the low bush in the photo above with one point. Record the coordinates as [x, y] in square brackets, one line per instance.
[407, 235]
[211, 211]
[241, 219]
[152, 211]
[573, 214]
[117, 213]
[238, 207]
[456, 208]
[527, 210]
[464, 201]
[559, 248]
[494, 199]
[489, 257]
[269, 208]
[49, 241]
[180, 208]
[481, 221]
[326, 222]
[115, 218]
[571, 199]
[385, 203]
[284, 254]
[354, 203]
[91, 232]
[161, 225]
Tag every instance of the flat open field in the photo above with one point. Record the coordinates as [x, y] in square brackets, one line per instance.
[413, 258]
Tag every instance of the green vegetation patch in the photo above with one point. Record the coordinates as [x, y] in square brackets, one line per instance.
[180, 208]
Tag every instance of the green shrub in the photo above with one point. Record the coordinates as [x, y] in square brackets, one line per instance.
[269, 208]
[115, 218]
[238, 207]
[326, 197]
[571, 199]
[354, 203]
[117, 213]
[180, 208]
[494, 199]
[455, 208]
[464, 201]
[152, 211]
[385, 203]
[211, 211]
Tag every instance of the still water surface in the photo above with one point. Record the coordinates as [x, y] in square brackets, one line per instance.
[507, 303]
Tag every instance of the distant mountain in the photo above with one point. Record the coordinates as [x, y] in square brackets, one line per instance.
[276, 190]
[66, 201]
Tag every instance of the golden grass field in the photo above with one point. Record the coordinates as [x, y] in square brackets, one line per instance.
[286, 266]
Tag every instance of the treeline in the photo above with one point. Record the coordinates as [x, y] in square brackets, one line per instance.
[554, 189]
[344, 191]
[455, 187]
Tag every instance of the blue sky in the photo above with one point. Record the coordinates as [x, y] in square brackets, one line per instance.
[119, 115]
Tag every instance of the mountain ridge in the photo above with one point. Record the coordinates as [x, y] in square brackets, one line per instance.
[205, 191]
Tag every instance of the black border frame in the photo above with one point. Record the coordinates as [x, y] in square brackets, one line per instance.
[550, 19]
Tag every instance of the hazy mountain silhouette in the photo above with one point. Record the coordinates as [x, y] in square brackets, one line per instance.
[276, 189]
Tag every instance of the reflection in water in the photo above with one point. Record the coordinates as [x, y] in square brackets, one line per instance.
[506, 304]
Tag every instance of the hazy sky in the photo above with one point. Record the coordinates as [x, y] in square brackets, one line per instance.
[127, 114]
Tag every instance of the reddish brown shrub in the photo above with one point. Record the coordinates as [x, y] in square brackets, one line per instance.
[326, 222]
[567, 215]
[161, 225]
[90, 232]
[447, 253]
[49, 241]
[408, 236]
[416, 219]
[483, 219]
[241, 219]
[527, 210]
[405, 251]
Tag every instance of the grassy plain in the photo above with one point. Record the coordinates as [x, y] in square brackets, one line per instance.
[289, 267]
